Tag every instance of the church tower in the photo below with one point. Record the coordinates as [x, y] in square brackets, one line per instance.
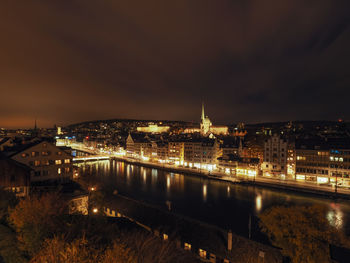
[206, 123]
[203, 115]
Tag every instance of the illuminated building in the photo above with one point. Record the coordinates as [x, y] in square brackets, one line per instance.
[232, 164]
[323, 161]
[162, 151]
[176, 152]
[48, 161]
[207, 128]
[59, 131]
[201, 153]
[153, 128]
[275, 157]
[138, 146]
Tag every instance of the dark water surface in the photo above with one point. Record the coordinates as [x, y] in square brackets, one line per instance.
[218, 203]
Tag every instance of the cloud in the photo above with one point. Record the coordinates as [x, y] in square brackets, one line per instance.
[66, 61]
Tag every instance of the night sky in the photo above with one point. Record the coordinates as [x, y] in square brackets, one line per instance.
[67, 61]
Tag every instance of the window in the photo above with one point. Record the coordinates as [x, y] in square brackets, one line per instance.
[59, 153]
[59, 170]
[37, 173]
[35, 154]
[187, 246]
[202, 253]
[44, 145]
[66, 169]
[58, 162]
[45, 162]
[67, 161]
[24, 155]
[36, 163]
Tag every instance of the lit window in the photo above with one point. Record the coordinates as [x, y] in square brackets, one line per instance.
[59, 153]
[58, 162]
[59, 170]
[202, 253]
[67, 161]
[36, 163]
[187, 246]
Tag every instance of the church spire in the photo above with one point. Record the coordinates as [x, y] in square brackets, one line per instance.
[203, 115]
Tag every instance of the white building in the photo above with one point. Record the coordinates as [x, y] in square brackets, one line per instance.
[275, 157]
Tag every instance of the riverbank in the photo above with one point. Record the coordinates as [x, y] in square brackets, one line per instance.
[287, 185]
[207, 241]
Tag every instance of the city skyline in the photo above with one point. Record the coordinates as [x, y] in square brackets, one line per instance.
[251, 62]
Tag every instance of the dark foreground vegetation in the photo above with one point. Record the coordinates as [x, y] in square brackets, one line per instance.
[38, 229]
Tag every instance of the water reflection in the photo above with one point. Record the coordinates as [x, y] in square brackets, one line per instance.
[258, 203]
[190, 195]
[168, 182]
[144, 176]
[204, 192]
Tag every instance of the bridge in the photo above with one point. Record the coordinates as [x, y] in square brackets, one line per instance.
[91, 158]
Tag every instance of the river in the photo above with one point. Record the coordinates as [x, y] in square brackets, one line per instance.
[219, 203]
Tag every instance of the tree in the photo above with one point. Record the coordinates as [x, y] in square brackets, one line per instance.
[36, 218]
[7, 199]
[303, 232]
[57, 250]
[81, 250]
[119, 253]
[9, 251]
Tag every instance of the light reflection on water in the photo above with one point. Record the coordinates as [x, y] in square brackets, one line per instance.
[216, 202]
[204, 192]
[258, 203]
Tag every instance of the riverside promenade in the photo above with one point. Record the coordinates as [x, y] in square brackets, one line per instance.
[281, 184]
[289, 185]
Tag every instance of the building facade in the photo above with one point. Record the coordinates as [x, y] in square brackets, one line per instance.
[201, 153]
[15, 177]
[323, 162]
[275, 157]
[48, 161]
